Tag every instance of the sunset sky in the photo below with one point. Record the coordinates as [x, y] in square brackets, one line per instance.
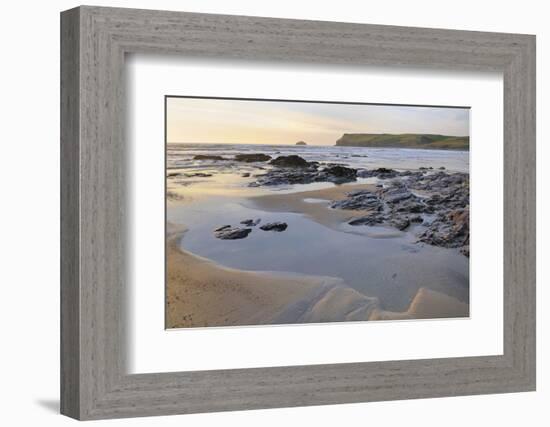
[268, 122]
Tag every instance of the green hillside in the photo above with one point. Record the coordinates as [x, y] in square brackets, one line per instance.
[404, 140]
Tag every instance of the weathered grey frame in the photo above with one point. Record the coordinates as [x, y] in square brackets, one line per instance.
[94, 41]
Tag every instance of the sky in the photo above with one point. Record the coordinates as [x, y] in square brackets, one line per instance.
[225, 121]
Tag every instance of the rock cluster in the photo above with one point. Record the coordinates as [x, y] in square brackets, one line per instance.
[294, 169]
[442, 208]
[228, 232]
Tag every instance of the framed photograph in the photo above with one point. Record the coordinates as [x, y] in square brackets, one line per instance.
[263, 213]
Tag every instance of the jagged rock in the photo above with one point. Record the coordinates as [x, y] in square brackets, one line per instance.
[292, 161]
[286, 176]
[342, 172]
[413, 205]
[381, 173]
[371, 218]
[251, 222]
[416, 219]
[450, 229]
[223, 227]
[232, 233]
[400, 223]
[274, 226]
[358, 200]
[253, 157]
[395, 194]
[305, 175]
[395, 205]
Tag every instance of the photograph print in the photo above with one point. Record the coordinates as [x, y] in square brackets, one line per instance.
[296, 212]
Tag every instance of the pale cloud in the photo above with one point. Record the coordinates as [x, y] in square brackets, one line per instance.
[274, 122]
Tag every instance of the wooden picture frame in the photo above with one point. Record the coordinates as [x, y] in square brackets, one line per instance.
[94, 41]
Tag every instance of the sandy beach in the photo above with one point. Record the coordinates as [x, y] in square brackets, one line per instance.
[201, 293]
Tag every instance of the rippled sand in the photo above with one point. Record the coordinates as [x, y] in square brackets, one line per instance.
[201, 293]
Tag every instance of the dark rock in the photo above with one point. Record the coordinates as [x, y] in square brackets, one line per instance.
[359, 200]
[417, 219]
[400, 223]
[395, 193]
[223, 227]
[301, 143]
[342, 172]
[232, 233]
[395, 205]
[251, 222]
[442, 168]
[286, 176]
[450, 229]
[413, 205]
[255, 157]
[381, 173]
[274, 226]
[208, 157]
[372, 218]
[173, 175]
[292, 161]
[295, 170]
[465, 250]
[245, 175]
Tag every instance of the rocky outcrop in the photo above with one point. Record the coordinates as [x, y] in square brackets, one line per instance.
[231, 233]
[252, 157]
[441, 213]
[359, 200]
[450, 230]
[341, 172]
[296, 170]
[274, 226]
[301, 143]
[292, 161]
[380, 173]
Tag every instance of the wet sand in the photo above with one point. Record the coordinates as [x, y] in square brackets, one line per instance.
[201, 293]
[311, 203]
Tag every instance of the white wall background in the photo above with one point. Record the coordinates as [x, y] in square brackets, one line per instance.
[29, 224]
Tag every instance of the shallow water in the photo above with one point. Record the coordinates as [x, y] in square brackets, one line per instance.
[392, 269]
